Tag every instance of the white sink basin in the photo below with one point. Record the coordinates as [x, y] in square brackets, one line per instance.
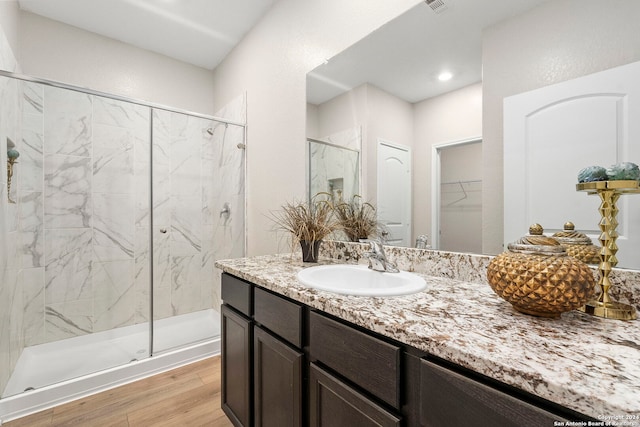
[349, 279]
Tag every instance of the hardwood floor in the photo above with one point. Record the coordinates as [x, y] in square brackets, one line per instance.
[186, 396]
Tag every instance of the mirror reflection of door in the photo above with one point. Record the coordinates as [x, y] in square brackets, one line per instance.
[461, 197]
[394, 192]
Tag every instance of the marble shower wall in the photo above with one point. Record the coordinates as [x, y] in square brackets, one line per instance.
[84, 158]
[74, 248]
[11, 297]
[226, 153]
[195, 175]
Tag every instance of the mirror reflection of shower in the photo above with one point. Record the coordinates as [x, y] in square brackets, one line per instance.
[333, 169]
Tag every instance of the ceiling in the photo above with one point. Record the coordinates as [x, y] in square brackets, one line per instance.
[199, 32]
[405, 56]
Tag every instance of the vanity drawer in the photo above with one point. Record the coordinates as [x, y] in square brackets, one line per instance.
[237, 293]
[442, 390]
[369, 362]
[280, 316]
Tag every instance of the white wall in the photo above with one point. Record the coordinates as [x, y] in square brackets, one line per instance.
[60, 52]
[271, 64]
[345, 111]
[557, 41]
[454, 116]
[390, 118]
[9, 23]
[313, 130]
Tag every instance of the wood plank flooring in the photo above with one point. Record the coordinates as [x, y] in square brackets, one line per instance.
[186, 396]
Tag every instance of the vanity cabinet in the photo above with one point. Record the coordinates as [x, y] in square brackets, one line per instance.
[236, 348]
[448, 398]
[277, 381]
[286, 364]
[263, 366]
[332, 402]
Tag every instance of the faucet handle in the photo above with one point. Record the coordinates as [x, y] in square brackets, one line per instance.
[376, 245]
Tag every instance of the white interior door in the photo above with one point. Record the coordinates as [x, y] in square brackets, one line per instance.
[553, 132]
[394, 192]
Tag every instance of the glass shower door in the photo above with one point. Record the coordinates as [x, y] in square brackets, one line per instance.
[198, 217]
[74, 237]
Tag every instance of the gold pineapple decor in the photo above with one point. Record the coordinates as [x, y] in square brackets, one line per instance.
[538, 277]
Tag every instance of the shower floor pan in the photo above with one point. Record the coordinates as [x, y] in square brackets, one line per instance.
[53, 373]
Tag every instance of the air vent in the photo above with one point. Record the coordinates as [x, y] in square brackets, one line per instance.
[438, 6]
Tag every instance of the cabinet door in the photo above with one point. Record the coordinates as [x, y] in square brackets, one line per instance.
[449, 399]
[277, 381]
[236, 366]
[332, 403]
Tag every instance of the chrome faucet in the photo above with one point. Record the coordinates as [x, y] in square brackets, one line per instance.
[377, 258]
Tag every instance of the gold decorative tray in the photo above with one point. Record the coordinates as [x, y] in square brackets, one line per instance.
[621, 186]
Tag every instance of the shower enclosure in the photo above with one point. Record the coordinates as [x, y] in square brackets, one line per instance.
[112, 213]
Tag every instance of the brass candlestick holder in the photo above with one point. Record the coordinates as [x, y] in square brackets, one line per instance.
[609, 193]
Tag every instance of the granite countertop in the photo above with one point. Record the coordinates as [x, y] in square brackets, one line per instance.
[585, 363]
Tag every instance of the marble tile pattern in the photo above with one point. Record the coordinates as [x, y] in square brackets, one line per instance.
[11, 295]
[585, 363]
[225, 234]
[75, 247]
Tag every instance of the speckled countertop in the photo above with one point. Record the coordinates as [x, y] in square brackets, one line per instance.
[588, 364]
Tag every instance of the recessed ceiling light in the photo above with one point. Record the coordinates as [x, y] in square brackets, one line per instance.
[443, 77]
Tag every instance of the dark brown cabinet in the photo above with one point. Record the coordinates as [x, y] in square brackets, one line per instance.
[236, 366]
[369, 362]
[332, 403]
[277, 381]
[285, 364]
[450, 399]
[262, 360]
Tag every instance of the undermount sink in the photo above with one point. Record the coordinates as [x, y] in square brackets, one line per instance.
[349, 279]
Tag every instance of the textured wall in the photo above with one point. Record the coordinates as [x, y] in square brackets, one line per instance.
[60, 52]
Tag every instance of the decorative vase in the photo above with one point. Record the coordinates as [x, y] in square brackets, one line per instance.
[578, 245]
[538, 277]
[310, 250]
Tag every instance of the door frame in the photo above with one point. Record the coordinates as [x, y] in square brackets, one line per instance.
[407, 149]
[436, 179]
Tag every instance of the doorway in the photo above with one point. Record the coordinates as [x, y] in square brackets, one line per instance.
[457, 196]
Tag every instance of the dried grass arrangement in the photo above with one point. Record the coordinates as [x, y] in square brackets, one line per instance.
[307, 222]
[356, 218]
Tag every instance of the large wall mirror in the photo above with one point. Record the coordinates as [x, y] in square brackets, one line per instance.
[388, 85]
